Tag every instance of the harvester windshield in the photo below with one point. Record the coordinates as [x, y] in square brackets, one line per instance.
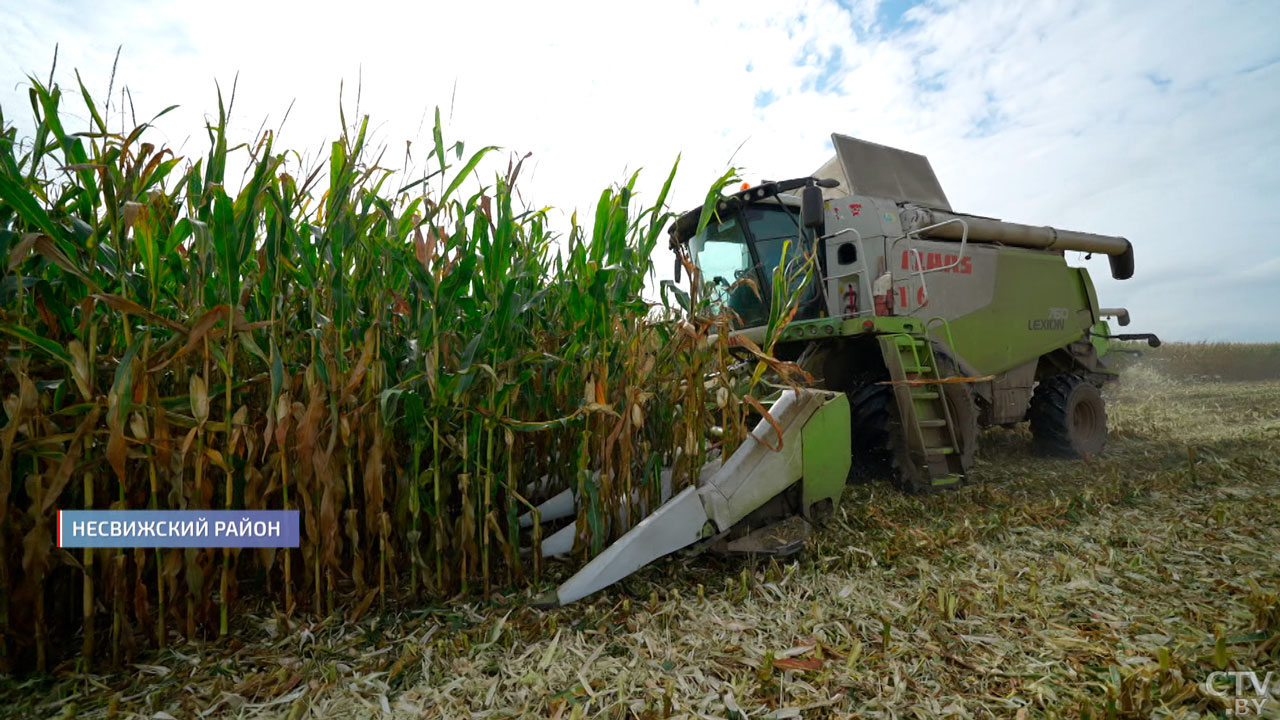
[737, 258]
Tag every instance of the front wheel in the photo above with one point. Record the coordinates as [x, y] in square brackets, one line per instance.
[1068, 417]
[879, 444]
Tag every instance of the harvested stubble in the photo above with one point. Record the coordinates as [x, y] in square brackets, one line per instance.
[401, 364]
[1051, 588]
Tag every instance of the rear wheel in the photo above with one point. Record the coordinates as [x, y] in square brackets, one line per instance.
[878, 441]
[1068, 417]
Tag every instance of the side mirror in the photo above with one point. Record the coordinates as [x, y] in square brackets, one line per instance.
[811, 207]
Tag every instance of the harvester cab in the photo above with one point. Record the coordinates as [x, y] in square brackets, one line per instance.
[760, 229]
[920, 324]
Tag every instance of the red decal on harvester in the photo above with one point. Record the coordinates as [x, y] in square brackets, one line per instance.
[856, 208]
[851, 299]
[921, 299]
[936, 260]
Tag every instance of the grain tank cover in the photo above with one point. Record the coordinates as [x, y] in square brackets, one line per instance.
[865, 168]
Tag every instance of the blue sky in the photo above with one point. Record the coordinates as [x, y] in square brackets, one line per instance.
[1152, 120]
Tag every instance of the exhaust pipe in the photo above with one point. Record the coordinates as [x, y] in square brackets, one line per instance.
[1043, 237]
[1120, 314]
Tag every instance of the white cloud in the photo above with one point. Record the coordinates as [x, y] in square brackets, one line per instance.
[1151, 120]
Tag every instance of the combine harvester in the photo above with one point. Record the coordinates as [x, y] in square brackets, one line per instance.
[921, 324]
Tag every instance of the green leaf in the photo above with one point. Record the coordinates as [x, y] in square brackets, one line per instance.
[26, 206]
[122, 383]
[466, 170]
[388, 403]
[277, 372]
[437, 134]
[251, 346]
[50, 348]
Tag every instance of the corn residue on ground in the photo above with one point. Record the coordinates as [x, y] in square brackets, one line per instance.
[1111, 587]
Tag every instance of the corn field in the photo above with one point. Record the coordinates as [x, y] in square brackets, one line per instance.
[410, 366]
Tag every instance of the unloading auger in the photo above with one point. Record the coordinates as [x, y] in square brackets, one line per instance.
[921, 325]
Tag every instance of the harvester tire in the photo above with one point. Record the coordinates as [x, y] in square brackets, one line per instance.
[879, 444]
[876, 438]
[1068, 417]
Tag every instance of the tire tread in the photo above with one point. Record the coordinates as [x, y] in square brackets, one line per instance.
[1049, 415]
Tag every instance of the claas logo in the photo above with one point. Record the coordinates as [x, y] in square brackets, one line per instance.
[911, 261]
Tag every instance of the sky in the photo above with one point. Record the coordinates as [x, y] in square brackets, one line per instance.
[1158, 121]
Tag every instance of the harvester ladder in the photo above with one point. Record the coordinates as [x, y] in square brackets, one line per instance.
[927, 422]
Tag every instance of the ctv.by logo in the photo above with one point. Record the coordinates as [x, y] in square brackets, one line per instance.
[1246, 693]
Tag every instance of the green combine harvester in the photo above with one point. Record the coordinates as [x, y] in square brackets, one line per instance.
[919, 324]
